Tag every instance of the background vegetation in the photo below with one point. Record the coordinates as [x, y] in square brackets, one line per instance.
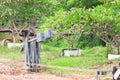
[90, 25]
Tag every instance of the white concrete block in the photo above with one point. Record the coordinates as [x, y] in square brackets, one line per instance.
[10, 45]
[74, 52]
[113, 56]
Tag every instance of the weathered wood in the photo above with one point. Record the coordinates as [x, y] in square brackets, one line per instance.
[24, 32]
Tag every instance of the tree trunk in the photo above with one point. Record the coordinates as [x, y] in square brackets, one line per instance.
[14, 39]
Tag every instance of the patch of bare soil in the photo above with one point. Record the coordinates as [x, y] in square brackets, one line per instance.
[14, 70]
[79, 77]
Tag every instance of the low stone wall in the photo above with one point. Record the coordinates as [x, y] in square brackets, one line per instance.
[10, 45]
[71, 52]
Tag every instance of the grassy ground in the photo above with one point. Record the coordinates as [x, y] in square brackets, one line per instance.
[52, 56]
[10, 53]
[89, 57]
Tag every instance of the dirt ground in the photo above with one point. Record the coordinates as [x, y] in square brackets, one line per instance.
[14, 70]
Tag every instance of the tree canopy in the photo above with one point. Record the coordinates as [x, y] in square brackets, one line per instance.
[23, 12]
[100, 18]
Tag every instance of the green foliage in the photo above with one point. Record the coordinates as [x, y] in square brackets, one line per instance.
[106, 13]
[99, 17]
[23, 12]
[57, 42]
[68, 22]
[109, 1]
[69, 4]
[101, 20]
[90, 40]
[104, 23]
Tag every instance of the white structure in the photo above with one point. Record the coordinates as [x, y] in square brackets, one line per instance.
[10, 45]
[113, 56]
[73, 52]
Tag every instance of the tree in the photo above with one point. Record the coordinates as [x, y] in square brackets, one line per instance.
[105, 24]
[19, 14]
[101, 20]
[69, 24]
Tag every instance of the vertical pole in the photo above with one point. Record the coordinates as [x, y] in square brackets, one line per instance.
[97, 75]
[37, 53]
[34, 57]
[32, 54]
[27, 52]
[36, 47]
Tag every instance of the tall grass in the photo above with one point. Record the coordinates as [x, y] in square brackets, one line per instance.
[11, 53]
